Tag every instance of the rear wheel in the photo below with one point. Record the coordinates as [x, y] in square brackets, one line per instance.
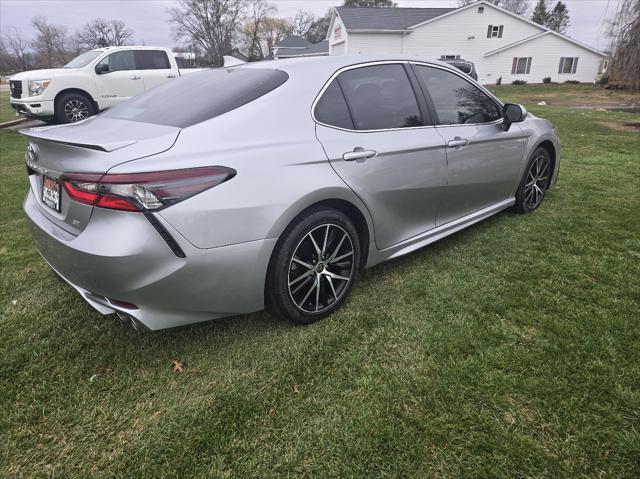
[73, 107]
[535, 182]
[313, 266]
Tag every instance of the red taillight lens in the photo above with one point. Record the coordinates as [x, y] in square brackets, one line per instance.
[143, 191]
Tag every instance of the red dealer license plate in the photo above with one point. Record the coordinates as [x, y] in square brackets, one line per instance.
[51, 193]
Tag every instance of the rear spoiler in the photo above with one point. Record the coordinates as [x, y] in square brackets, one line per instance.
[48, 133]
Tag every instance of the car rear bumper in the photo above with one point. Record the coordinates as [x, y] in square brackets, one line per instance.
[121, 257]
[33, 108]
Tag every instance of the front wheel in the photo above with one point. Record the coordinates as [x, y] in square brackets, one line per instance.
[313, 266]
[73, 107]
[535, 182]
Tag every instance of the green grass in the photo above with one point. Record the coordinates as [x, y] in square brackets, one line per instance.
[511, 349]
[6, 112]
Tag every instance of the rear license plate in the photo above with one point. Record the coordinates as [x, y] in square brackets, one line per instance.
[51, 193]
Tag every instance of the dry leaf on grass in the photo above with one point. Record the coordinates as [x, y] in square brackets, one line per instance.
[177, 366]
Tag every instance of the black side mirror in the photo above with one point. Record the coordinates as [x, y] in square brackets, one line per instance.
[102, 68]
[512, 113]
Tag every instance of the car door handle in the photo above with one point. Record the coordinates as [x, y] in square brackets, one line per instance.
[171, 76]
[458, 142]
[358, 153]
[135, 77]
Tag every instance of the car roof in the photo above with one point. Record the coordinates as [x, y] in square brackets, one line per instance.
[336, 62]
[127, 47]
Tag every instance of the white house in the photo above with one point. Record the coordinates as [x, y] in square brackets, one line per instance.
[500, 43]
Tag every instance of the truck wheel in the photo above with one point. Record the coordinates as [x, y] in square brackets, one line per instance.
[72, 107]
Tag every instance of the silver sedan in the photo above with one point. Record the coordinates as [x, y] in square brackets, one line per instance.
[272, 184]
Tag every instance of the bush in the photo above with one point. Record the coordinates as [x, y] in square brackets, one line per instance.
[519, 82]
[603, 79]
[546, 80]
[572, 82]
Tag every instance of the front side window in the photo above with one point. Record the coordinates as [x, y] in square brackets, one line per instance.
[521, 66]
[119, 61]
[380, 97]
[332, 108]
[152, 60]
[568, 65]
[199, 97]
[456, 100]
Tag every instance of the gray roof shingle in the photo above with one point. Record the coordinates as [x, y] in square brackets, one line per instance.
[313, 49]
[376, 18]
[294, 41]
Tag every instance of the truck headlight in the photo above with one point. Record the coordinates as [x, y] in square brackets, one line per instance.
[37, 87]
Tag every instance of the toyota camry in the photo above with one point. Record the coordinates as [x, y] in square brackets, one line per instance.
[273, 184]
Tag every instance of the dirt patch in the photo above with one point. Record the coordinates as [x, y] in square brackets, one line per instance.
[633, 126]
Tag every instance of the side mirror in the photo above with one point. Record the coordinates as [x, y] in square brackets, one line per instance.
[102, 68]
[512, 113]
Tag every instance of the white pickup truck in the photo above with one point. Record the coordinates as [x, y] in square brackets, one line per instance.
[96, 80]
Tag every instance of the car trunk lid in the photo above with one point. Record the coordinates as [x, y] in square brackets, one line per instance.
[92, 146]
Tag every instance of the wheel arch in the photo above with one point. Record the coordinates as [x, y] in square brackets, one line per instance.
[338, 200]
[78, 91]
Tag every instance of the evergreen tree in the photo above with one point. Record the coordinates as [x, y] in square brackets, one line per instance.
[559, 18]
[540, 13]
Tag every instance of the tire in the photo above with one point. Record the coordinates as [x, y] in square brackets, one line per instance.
[301, 286]
[72, 107]
[535, 182]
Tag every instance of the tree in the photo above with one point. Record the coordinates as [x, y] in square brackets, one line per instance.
[559, 18]
[14, 50]
[100, 33]
[250, 31]
[519, 7]
[50, 43]
[212, 24]
[272, 31]
[624, 68]
[369, 3]
[301, 23]
[540, 13]
[318, 29]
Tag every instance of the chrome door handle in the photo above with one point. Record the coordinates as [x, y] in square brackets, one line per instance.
[457, 142]
[135, 77]
[358, 153]
[171, 76]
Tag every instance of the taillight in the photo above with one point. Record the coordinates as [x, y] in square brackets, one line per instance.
[143, 191]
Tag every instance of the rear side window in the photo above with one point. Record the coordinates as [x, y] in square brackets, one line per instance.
[332, 108]
[199, 96]
[380, 97]
[456, 100]
[152, 60]
[119, 61]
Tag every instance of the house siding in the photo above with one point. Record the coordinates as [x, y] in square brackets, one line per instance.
[545, 53]
[375, 43]
[464, 33]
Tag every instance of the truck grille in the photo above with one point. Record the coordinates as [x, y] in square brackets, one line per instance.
[16, 88]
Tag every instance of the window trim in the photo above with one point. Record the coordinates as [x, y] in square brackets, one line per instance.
[527, 65]
[574, 65]
[425, 94]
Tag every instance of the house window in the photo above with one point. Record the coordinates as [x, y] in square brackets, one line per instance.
[480, 9]
[521, 66]
[495, 31]
[568, 65]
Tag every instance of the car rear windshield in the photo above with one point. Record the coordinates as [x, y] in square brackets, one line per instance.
[199, 96]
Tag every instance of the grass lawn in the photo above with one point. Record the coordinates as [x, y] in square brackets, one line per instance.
[6, 112]
[511, 349]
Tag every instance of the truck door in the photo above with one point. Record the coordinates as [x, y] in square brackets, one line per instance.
[118, 78]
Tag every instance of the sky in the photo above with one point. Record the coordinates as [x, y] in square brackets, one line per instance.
[148, 18]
